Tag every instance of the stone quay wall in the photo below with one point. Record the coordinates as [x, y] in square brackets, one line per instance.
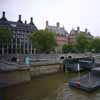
[25, 73]
[13, 77]
[36, 70]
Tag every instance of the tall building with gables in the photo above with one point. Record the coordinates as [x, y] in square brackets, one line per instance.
[73, 34]
[61, 34]
[19, 42]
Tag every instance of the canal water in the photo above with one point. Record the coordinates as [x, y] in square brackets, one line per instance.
[49, 87]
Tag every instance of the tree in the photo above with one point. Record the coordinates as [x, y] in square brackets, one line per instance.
[96, 45]
[43, 40]
[82, 42]
[74, 49]
[89, 46]
[65, 48]
[69, 48]
[5, 37]
[5, 33]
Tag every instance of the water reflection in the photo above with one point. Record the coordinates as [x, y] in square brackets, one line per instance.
[50, 87]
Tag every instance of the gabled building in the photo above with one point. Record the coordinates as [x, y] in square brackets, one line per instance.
[61, 34]
[19, 42]
[57, 29]
[73, 34]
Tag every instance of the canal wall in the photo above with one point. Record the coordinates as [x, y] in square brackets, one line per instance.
[37, 57]
[36, 70]
[13, 77]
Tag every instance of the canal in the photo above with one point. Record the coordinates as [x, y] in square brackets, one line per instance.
[49, 87]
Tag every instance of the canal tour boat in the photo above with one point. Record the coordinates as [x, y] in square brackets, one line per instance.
[72, 64]
[88, 82]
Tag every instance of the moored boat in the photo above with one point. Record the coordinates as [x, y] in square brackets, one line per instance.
[72, 64]
[88, 82]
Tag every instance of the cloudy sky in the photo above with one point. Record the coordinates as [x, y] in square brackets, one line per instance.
[70, 13]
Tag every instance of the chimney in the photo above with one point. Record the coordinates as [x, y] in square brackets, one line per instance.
[58, 24]
[78, 29]
[31, 22]
[19, 20]
[3, 14]
[19, 17]
[86, 30]
[25, 22]
[47, 24]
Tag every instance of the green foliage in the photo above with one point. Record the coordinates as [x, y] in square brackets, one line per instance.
[65, 48]
[74, 49]
[69, 48]
[89, 45]
[43, 40]
[82, 42]
[5, 33]
[85, 44]
[96, 45]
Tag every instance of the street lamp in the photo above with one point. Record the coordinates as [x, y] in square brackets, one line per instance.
[34, 50]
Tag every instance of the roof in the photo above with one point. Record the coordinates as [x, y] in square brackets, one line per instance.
[75, 32]
[18, 24]
[58, 30]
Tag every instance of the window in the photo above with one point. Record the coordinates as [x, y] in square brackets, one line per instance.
[13, 25]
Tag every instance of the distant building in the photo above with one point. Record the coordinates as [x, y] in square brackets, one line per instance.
[20, 31]
[61, 34]
[73, 34]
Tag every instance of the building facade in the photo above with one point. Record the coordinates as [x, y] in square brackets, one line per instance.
[19, 42]
[73, 34]
[61, 34]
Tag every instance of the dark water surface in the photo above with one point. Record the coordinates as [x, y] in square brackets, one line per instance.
[50, 87]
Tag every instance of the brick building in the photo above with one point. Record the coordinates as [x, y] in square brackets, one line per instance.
[73, 34]
[61, 34]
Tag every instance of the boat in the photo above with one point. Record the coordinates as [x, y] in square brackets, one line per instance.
[88, 82]
[71, 64]
[87, 64]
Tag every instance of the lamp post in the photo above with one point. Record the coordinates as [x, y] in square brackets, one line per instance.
[56, 50]
[31, 48]
[34, 51]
